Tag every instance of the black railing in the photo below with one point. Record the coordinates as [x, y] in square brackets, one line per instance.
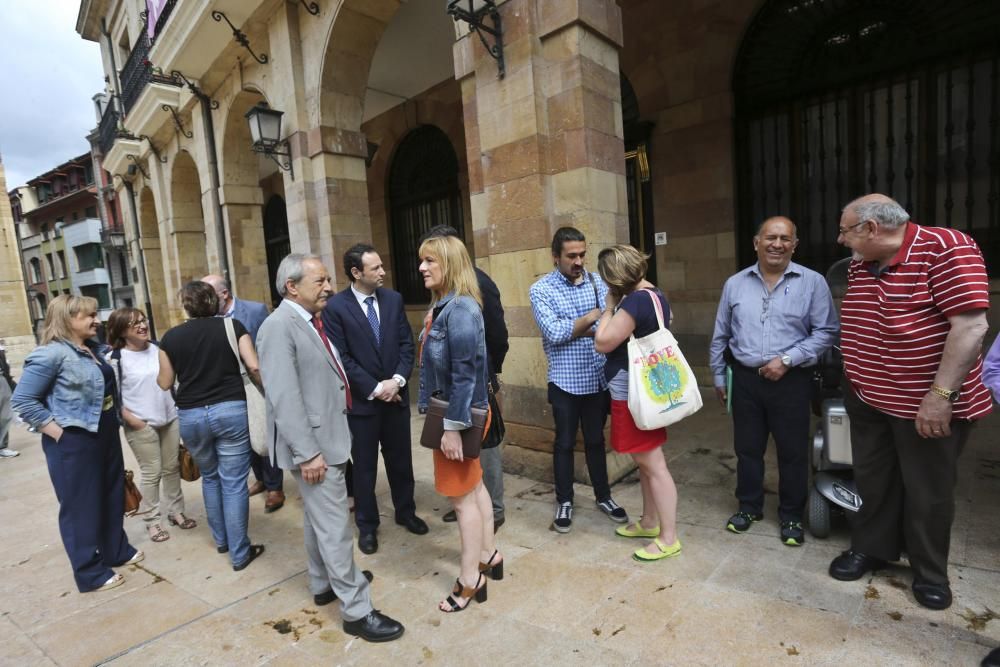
[138, 71]
[107, 129]
[161, 20]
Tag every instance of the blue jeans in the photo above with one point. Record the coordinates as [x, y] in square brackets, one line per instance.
[218, 438]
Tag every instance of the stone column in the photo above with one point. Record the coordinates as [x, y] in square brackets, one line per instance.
[15, 325]
[545, 149]
[243, 214]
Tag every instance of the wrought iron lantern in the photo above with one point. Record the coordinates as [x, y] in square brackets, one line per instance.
[474, 12]
[265, 134]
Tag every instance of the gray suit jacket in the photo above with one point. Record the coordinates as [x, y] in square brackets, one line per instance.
[306, 399]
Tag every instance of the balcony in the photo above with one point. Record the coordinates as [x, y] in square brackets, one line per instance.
[107, 130]
[161, 19]
[113, 238]
[138, 73]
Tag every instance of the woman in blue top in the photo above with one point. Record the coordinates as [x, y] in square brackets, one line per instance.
[67, 392]
[629, 311]
[453, 368]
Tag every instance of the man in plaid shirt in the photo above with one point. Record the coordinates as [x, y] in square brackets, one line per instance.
[567, 304]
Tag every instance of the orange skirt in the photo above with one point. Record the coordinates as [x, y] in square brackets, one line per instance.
[455, 478]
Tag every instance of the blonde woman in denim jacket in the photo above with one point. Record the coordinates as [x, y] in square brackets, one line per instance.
[67, 391]
[453, 368]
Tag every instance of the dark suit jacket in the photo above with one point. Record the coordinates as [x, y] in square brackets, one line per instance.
[251, 314]
[496, 328]
[366, 365]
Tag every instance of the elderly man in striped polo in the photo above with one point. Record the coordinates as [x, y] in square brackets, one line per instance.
[912, 327]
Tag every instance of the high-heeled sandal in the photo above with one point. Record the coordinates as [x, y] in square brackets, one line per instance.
[469, 593]
[493, 570]
[184, 524]
[156, 533]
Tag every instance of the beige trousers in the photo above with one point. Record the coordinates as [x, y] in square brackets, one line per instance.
[156, 451]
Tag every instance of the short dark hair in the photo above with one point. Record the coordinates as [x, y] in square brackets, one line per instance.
[199, 299]
[119, 323]
[562, 235]
[438, 231]
[354, 258]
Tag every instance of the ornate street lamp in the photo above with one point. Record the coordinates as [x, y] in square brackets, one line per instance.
[474, 12]
[265, 133]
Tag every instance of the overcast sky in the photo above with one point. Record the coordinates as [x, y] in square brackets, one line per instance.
[48, 75]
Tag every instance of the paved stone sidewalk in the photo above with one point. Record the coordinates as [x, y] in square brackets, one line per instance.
[575, 599]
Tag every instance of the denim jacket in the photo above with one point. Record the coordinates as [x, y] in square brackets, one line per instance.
[61, 382]
[453, 363]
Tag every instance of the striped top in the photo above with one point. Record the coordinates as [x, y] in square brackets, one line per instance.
[894, 322]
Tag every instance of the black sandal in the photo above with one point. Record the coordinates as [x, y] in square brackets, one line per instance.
[255, 550]
[467, 592]
[493, 570]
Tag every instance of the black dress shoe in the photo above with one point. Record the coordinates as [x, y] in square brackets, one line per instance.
[449, 517]
[992, 659]
[852, 565]
[368, 543]
[414, 524]
[932, 596]
[322, 599]
[375, 627]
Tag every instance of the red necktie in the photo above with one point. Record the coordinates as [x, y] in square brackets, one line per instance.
[318, 324]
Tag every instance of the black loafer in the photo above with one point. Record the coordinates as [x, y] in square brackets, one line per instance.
[992, 659]
[414, 524]
[322, 599]
[449, 517]
[255, 550]
[375, 627]
[932, 596]
[852, 565]
[368, 543]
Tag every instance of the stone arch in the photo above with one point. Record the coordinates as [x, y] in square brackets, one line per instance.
[152, 255]
[241, 173]
[184, 236]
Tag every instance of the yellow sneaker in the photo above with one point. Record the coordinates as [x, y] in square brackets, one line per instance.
[665, 551]
[636, 530]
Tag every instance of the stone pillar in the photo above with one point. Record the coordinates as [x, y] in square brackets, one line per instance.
[545, 149]
[15, 325]
[243, 214]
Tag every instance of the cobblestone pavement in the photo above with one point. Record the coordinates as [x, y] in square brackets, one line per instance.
[574, 599]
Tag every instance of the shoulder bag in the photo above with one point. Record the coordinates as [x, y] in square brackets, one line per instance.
[132, 495]
[662, 388]
[256, 410]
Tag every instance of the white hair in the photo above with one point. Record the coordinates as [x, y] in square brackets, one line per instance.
[887, 213]
[292, 268]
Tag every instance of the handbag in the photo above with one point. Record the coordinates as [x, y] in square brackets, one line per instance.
[188, 467]
[472, 437]
[497, 430]
[662, 388]
[256, 410]
[132, 495]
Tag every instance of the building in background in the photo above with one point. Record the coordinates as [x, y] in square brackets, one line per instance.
[15, 322]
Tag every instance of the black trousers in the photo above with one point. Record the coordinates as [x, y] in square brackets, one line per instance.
[390, 428]
[907, 488]
[780, 409]
[272, 476]
[589, 412]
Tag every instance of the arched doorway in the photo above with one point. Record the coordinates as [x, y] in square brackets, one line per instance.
[844, 97]
[423, 193]
[276, 241]
[638, 184]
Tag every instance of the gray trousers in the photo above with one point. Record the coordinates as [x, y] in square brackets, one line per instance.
[492, 462]
[6, 416]
[329, 538]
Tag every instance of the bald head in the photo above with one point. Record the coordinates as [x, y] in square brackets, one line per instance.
[878, 208]
[221, 287]
[777, 219]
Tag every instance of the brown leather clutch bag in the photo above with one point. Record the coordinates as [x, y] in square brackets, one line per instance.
[472, 437]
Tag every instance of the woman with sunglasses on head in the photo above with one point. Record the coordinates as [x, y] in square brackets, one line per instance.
[150, 420]
[67, 392]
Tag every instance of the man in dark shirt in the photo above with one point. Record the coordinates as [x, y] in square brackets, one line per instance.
[496, 350]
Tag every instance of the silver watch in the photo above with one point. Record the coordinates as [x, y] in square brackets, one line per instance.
[786, 360]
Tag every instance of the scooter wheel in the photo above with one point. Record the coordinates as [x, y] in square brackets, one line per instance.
[818, 514]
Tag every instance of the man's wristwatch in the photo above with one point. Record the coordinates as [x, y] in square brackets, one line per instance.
[951, 394]
[786, 360]
[400, 381]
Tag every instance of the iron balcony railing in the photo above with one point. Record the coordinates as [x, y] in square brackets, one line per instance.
[161, 20]
[107, 129]
[138, 71]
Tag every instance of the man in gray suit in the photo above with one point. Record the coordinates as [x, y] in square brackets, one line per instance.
[307, 397]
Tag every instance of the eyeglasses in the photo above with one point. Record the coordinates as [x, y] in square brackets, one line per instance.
[844, 231]
[138, 323]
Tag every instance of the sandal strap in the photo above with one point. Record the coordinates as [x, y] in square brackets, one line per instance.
[484, 566]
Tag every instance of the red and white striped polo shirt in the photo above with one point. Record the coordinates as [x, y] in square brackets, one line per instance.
[894, 323]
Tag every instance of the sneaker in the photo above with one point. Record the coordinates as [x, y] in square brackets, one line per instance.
[6, 453]
[564, 518]
[614, 511]
[740, 522]
[792, 533]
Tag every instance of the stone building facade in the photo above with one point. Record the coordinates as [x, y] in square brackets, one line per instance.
[673, 126]
[15, 325]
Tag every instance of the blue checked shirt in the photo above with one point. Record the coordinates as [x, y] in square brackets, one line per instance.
[574, 365]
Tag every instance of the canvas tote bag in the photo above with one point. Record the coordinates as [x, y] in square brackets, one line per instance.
[256, 415]
[662, 388]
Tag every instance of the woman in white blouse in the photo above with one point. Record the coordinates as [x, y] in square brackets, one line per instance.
[150, 420]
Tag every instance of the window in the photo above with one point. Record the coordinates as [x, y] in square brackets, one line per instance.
[76, 216]
[99, 292]
[123, 268]
[91, 212]
[89, 256]
[423, 193]
[52, 267]
[61, 256]
[36, 270]
[898, 97]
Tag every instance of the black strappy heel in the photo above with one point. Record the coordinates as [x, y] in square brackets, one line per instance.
[491, 570]
[468, 592]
